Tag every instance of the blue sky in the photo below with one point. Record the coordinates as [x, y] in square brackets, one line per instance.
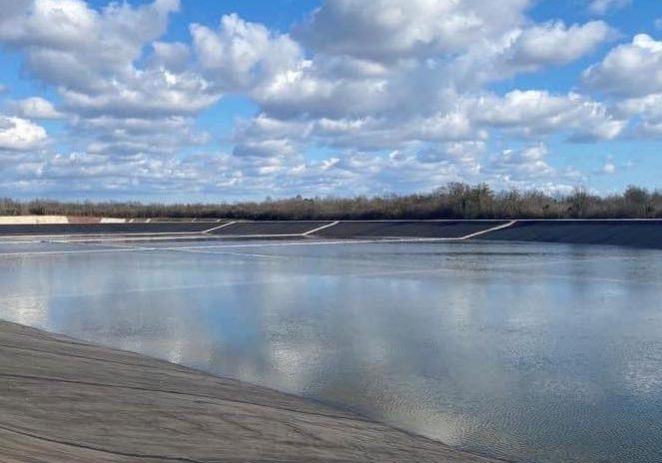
[168, 100]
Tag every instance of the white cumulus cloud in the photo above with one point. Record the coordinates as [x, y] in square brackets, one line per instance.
[384, 30]
[241, 54]
[20, 134]
[36, 108]
[629, 70]
[535, 113]
[554, 43]
[358, 97]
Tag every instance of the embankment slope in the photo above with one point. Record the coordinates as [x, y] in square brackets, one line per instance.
[406, 228]
[632, 233]
[64, 401]
[104, 228]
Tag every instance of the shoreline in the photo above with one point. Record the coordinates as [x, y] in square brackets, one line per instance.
[64, 400]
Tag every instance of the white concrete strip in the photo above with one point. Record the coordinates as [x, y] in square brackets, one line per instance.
[220, 226]
[323, 227]
[34, 219]
[489, 230]
[111, 220]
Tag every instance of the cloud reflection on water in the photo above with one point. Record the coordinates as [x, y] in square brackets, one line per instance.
[493, 353]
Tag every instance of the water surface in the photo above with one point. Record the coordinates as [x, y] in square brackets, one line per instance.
[524, 351]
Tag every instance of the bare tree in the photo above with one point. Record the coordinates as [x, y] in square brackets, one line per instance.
[455, 200]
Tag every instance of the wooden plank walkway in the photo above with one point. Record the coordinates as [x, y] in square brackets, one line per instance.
[66, 401]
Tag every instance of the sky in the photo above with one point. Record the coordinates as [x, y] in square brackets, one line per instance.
[228, 100]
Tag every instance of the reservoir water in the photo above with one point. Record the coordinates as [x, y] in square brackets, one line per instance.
[528, 352]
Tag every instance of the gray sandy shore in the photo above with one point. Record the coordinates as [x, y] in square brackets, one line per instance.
[63, 400]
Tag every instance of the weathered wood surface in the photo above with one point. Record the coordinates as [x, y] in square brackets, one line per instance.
[66, 401]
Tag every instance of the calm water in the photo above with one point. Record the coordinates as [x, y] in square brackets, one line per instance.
[530, 352]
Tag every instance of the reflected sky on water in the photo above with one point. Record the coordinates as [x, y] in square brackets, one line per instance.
[525, 351]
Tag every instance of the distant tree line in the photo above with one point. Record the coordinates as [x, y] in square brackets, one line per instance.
[453, 201]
